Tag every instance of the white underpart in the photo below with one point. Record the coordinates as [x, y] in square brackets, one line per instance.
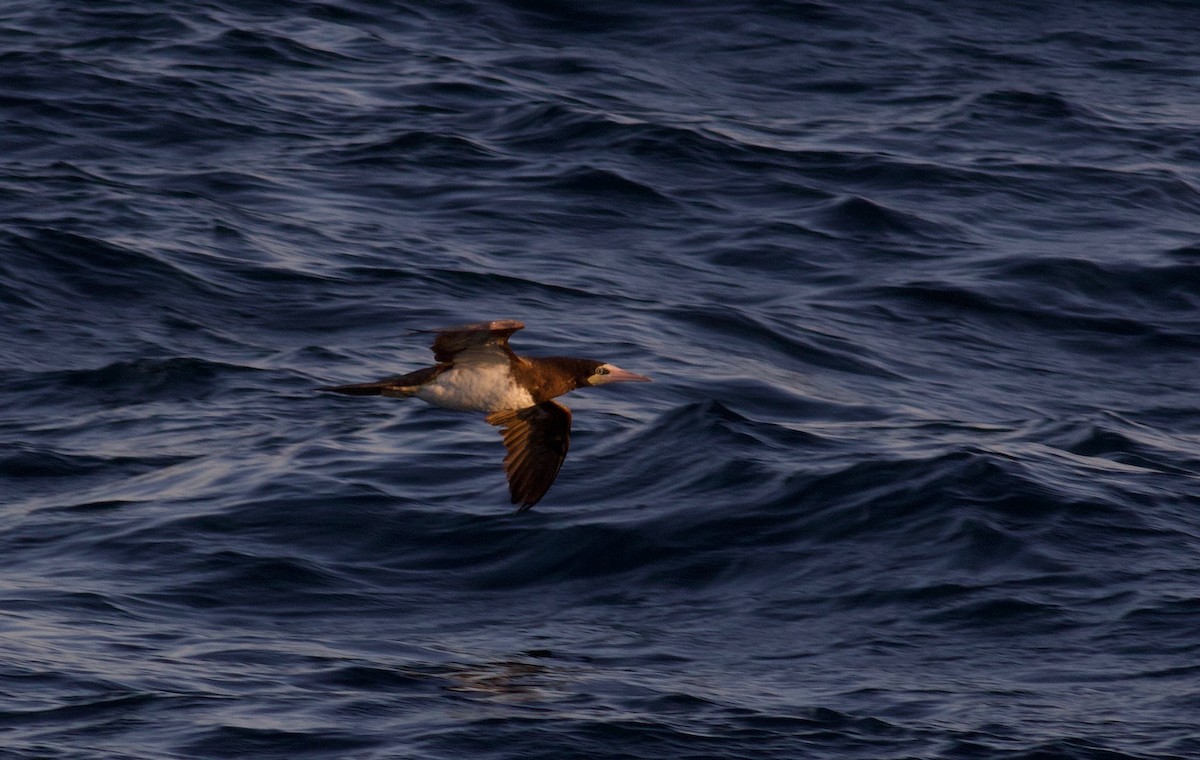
[476, 387]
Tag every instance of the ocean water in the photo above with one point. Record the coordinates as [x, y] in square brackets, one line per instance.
[918, 283]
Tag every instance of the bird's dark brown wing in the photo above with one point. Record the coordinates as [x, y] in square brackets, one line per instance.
[537, 438]
[481, 338]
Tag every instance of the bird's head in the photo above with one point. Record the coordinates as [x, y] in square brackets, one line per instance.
[603, 373]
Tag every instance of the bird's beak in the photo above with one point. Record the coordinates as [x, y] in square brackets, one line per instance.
[618, 375]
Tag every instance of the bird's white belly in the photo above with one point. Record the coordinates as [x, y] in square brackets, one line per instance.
[476, 388]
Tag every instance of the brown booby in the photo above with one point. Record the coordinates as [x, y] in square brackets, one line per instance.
[476, 371]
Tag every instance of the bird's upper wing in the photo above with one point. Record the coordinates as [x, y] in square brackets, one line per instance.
[537, 438]
[482, 341]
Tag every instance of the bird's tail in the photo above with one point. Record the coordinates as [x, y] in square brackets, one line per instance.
[399, 386]
[358, 389]
[379, 388]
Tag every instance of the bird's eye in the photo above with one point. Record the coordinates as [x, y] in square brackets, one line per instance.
[602, 370]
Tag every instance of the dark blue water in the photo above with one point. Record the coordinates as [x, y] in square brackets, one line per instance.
[918, 282]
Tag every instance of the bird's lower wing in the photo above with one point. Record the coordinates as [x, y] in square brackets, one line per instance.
[537, 438]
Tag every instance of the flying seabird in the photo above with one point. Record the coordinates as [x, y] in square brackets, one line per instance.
[476, 371]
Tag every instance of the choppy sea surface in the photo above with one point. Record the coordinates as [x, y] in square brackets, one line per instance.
[918, 282]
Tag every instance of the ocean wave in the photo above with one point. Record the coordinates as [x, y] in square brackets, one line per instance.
[57, 265]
